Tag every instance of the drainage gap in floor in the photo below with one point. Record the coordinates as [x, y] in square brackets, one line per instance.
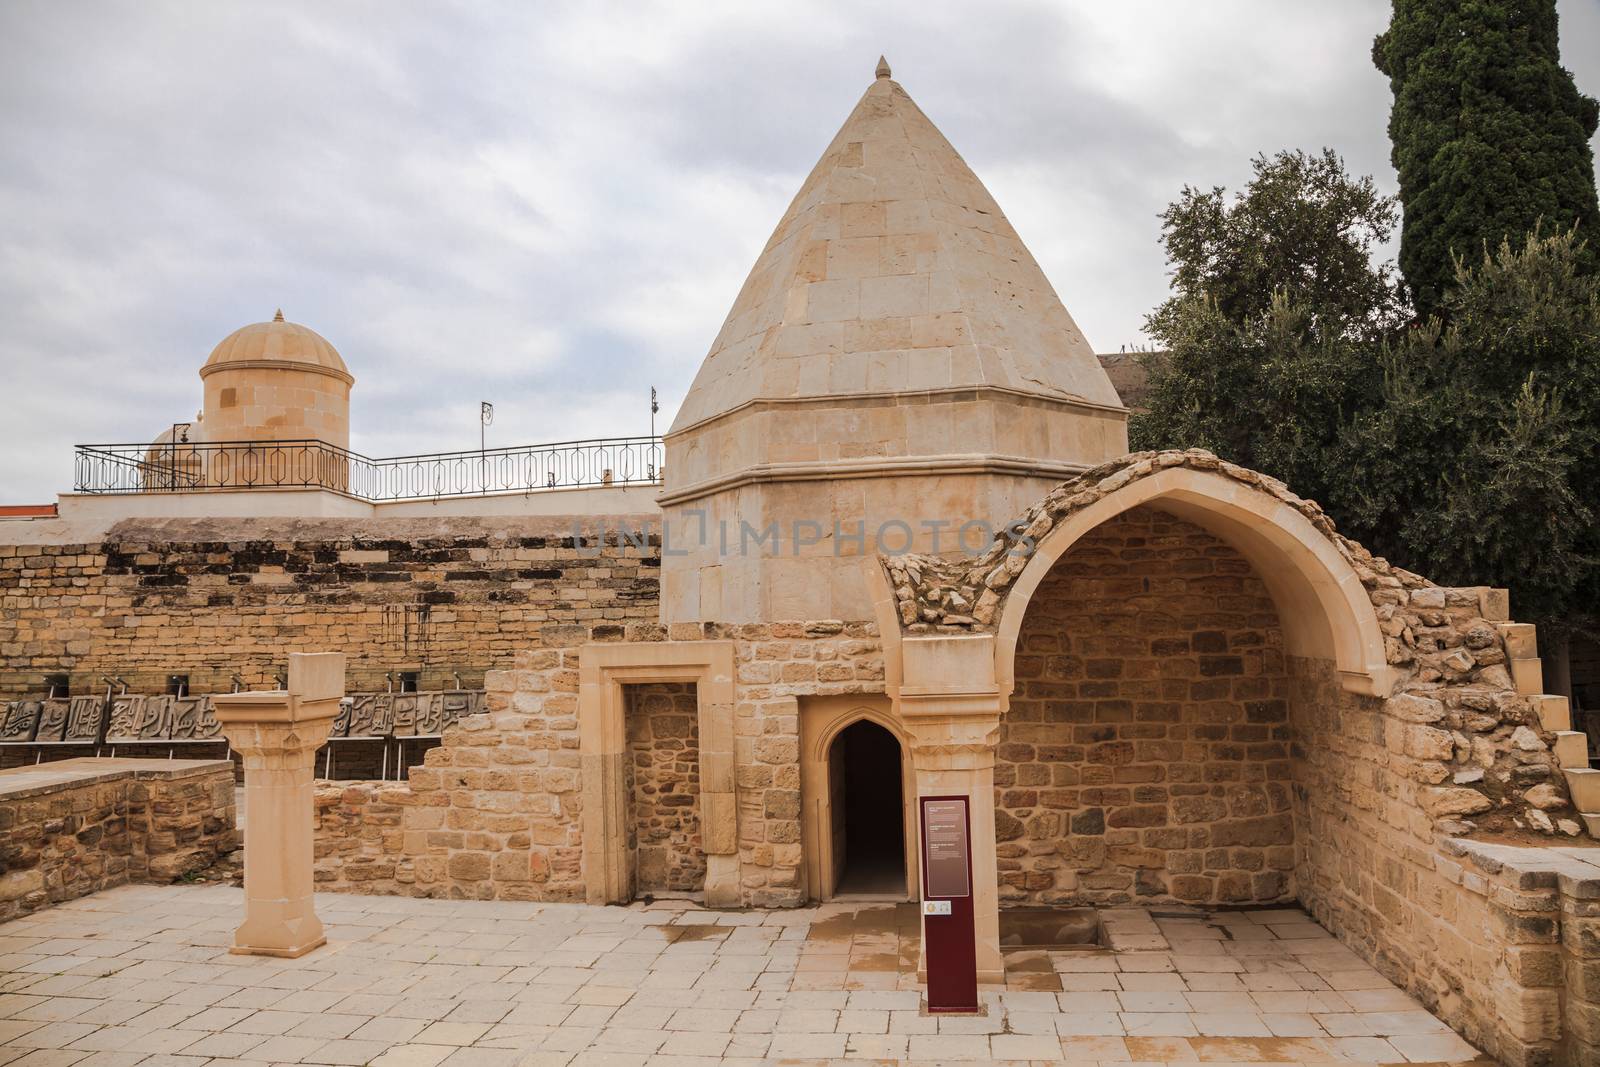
[1054, 928]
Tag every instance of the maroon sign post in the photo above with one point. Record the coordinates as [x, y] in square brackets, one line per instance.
[948, 928]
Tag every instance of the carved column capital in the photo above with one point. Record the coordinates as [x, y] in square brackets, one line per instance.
[950, 742]
[276, 746]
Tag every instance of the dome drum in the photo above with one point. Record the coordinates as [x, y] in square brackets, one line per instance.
[276, 381]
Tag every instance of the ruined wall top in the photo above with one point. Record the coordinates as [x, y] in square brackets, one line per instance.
[966, 594]
[1463, 717]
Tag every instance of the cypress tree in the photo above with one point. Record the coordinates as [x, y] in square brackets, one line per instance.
[1490, 135]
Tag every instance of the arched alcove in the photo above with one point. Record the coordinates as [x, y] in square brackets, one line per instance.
[1146, 754]
[1325, 610]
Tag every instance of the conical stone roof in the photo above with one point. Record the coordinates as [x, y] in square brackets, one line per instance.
[893, 271]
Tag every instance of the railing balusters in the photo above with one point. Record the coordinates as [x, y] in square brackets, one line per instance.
[178, 467]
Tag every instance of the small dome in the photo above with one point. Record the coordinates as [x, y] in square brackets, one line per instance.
[277, 344]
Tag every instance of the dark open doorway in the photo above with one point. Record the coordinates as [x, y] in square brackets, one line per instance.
[868, 811]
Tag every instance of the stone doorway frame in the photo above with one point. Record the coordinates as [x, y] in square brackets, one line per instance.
[822, 720]
[603, 738]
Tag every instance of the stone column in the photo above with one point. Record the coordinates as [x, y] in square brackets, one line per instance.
[278, 733]
[951, 706]
[719, 811]
[955, 757]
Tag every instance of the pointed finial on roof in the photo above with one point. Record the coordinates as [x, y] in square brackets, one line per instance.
[279, 316]
[883, 67]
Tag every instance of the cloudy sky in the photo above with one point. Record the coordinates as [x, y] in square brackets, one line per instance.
[552, 206]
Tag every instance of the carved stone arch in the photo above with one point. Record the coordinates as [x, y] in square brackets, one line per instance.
[1325, 611]
[861, 713]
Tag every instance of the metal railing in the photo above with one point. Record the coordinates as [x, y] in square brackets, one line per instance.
[199, 466]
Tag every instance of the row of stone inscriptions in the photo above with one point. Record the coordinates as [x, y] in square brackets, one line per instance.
[406, 714]
[126, 718]
[120, 719]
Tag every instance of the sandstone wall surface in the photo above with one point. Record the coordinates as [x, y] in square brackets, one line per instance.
[496, 812]
[215, 598]
[1145, 754]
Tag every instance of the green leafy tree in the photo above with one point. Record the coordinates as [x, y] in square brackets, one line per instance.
[1269, 336]
[1464, 446]
[1490, 134]
[1479, 464]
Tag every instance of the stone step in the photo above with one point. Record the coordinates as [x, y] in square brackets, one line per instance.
[1555, 712]
[1528, 676]
[1572, 749]
[1592, 822]
[1585, 787]
[1521, 638]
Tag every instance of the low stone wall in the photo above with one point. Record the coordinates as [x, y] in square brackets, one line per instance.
[1380, 788]
[75, 827]
[1503, 943]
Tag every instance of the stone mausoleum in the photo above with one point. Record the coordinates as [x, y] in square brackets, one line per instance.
[892, 546]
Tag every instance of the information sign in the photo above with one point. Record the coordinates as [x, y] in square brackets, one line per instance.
[948, 929]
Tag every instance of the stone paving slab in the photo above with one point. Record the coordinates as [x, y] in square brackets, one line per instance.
[142, 975]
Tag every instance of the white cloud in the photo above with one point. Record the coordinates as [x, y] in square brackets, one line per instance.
[553, 205]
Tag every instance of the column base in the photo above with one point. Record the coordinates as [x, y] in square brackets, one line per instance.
[722, 888]
[271, 932]
[282, 953]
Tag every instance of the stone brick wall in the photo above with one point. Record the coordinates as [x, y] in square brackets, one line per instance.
[78, 827]
[358, 836]
[1482, 952]
[663, 782]
[1145, 755]
[496, 812]
[776, 665]
[212, 598]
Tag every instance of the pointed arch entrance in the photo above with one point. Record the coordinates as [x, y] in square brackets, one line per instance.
[856, 796]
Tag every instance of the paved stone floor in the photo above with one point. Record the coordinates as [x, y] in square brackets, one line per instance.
[142, 975]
